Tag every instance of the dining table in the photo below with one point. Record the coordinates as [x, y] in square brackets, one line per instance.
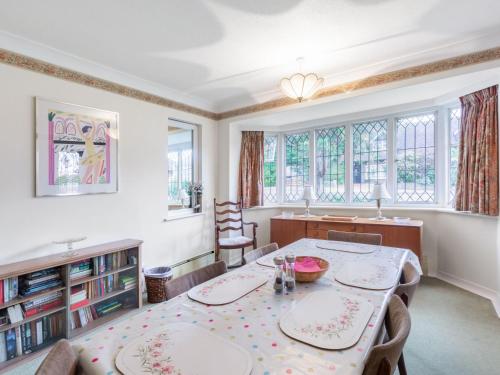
[252, 321]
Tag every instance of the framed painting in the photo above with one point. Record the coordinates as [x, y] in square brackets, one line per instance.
[76, 149]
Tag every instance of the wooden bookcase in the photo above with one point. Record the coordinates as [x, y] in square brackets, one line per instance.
[132, 298]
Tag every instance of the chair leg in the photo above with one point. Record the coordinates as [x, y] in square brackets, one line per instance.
[401, 365]
[217, 253]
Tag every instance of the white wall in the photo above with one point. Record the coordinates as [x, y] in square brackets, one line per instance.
[28, 225]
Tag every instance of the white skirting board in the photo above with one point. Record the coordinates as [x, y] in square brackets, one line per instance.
[482, 291]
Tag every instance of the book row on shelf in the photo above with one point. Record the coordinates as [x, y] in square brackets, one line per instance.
[82, 293]
[30, 336]
[101, 264]
[83, 316]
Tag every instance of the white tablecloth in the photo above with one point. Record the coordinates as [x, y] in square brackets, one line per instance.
[252, 321]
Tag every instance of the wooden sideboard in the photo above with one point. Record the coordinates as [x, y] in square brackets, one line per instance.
[408, 235]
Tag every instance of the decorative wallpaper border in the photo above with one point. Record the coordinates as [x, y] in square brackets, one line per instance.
[29, 63]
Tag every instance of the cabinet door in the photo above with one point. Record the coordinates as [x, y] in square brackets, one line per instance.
[284, 231]
[395, 236]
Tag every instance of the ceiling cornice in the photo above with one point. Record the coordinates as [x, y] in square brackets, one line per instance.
[29, 63]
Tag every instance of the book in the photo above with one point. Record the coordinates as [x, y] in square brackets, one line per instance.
[10, 343]
[39, 332]
[42, 300]
[30, 282]
[3, 348]
[15, 313]
[79, 305]
[45, 307]
[19, 346]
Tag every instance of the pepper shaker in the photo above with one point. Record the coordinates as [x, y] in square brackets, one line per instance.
[278, 274]
[290, 272]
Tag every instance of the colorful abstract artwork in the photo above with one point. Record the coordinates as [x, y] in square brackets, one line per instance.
[76, 149]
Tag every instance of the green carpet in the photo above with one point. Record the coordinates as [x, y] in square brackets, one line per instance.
[453, 332]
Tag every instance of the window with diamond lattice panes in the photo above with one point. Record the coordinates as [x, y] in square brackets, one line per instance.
[369, 142]
[270, 159]
[415, 166]
[330, 164]
[296, 165]
[455, 115]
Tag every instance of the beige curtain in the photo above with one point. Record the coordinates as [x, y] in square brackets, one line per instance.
[251, 174]
[477, 180]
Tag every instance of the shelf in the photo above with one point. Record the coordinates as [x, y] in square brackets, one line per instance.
[83, 280]
[109, 295]
[39, 350]
[20, 299]
[100, 321]
[33, 317]
[63, 260]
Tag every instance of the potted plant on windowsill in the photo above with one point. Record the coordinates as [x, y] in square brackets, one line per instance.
[195, 191]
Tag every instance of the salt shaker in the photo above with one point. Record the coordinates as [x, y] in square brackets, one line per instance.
[290, 272]
[278, 274]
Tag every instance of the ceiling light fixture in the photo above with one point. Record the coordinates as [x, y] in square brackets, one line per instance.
[301, 86]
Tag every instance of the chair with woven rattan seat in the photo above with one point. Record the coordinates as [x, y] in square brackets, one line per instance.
[185, 282]
[383, 358]
[253, 255]
[231, 212]
[61, 360]
[365, 238]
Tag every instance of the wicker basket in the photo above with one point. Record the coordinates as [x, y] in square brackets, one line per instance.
[309, 277]
[155, 283]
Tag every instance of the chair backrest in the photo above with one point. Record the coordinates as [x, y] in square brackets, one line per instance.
[366, 238]
[409, 282]
[383, 358]
[185, 282]
[61, 360]
[228, 212]
[253, 255]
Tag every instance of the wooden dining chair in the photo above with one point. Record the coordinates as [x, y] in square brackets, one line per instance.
[366, 238]
[61, 360]
[231, 212]
[185, 282]
[410, 278]
[253, 255]
[383, 358]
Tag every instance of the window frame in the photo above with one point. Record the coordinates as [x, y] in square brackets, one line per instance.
[196, 167]
[437, 163]
[441, 157]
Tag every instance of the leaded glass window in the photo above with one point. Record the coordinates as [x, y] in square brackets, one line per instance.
[369, 157]
[270, 163]
[455, 116]
[415, 163]
[296, 165]
[330, 164]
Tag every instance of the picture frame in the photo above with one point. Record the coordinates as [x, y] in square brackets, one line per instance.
[76, 149]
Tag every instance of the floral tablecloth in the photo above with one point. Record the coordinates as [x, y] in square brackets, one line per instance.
[252, 321]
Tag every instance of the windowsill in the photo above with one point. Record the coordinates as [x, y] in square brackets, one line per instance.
[182, 215]
[427, 208]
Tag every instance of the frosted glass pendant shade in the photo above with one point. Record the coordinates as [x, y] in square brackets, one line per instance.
[300, 86]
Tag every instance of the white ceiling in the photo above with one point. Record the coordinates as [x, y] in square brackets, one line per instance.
[223, 54]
